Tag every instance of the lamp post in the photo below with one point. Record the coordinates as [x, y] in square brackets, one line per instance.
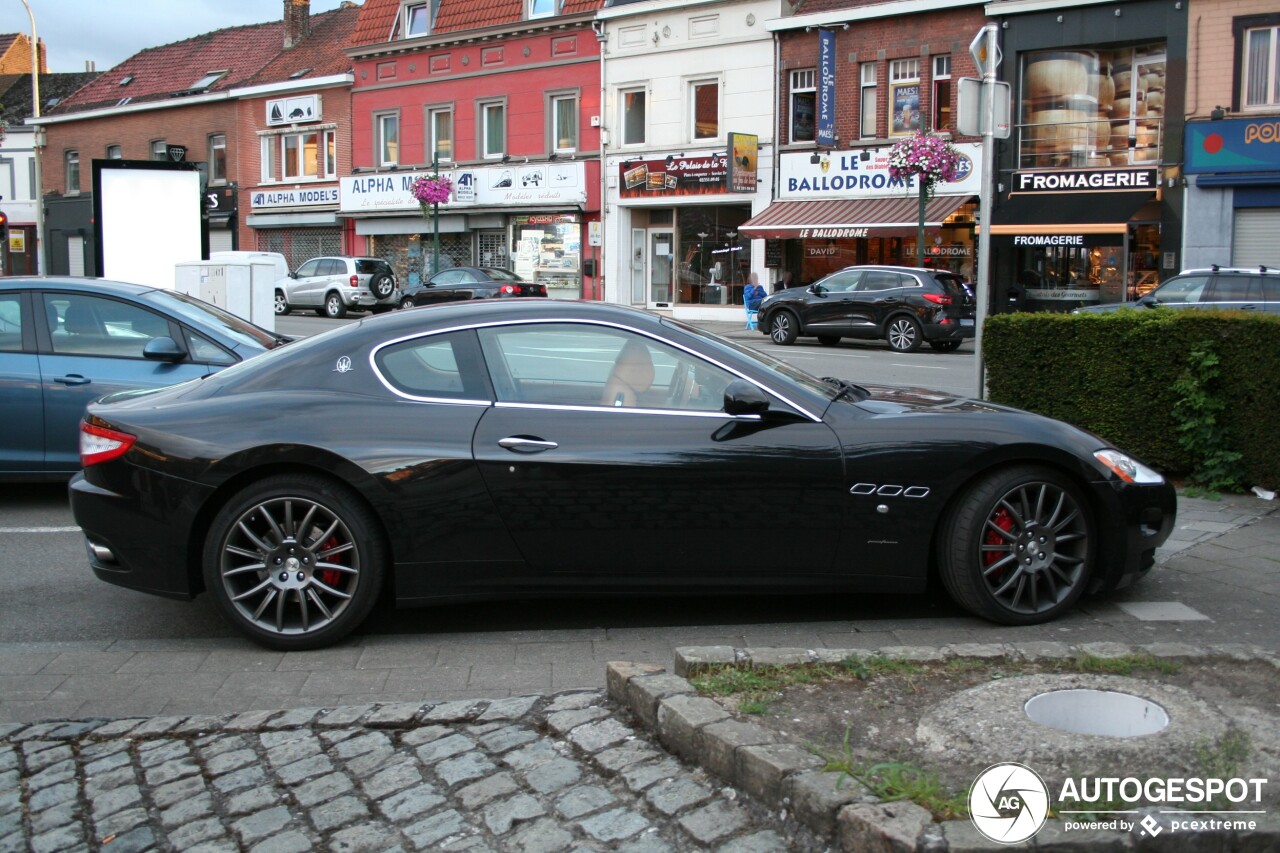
[435, 218]
[36, 137]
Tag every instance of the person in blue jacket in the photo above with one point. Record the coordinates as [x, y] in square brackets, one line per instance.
[754, 293]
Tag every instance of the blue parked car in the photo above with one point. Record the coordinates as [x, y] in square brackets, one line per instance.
[66, 341]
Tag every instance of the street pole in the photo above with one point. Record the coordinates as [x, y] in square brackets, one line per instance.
[924, 197]
[982, 282]
[36, 138]
[435, 219]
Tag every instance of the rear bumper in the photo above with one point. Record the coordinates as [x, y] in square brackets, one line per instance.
[953, 331]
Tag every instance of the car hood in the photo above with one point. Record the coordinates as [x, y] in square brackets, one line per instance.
[889, 400]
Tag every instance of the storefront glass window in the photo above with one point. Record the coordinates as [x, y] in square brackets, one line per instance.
[713, 259]
[1085, 108]
[547, 248]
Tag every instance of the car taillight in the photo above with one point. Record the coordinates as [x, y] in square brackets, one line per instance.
[508, 289]
[542, 290]
[940, 298]
[355, 281]
[99, 444]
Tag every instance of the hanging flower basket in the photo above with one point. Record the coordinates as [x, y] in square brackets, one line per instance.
[929, 159]
[429, 190]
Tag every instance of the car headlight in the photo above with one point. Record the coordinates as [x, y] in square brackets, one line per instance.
[1127, 468]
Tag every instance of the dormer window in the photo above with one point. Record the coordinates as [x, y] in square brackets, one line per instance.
[416, 19]
[541, 8]
[208, 80]
[126, 80]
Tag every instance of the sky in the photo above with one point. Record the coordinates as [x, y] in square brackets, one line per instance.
[108, 32]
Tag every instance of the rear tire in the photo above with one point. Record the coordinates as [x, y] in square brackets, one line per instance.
[334, 308]
[784, 327]
[382, 285]
[1018, 547]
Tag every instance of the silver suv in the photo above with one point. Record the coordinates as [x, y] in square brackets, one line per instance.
[335, 284]
[1224, 288]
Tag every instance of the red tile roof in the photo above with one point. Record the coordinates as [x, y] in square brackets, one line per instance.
[245, 53]
[377, 17]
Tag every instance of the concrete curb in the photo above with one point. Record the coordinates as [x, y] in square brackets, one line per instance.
[787, 777]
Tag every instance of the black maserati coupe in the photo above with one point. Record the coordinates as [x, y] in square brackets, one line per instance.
[520, 448]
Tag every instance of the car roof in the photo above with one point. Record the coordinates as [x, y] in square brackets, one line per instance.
[503, 310]
[71, 282]
[1258, 270]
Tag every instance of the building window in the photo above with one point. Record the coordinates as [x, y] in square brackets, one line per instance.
[73, 171]
[904, 96]
[564, 123]
[867, 123]
[159, 150]
[804, 105]
[541, 8]
[299, 156]
[942, 119]
[440, 126]
[115, 152]
[416, 19]
[704, 98]
[218, 158]
[633, 117]
[1260, 85]
[388, 130]
[493, 129]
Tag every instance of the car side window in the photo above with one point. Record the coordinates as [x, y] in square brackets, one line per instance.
[1271, 288]
[448, 277]
[1234, 288]
[843, 282]
[310, 268]
[445, 366]
[91, 325]
[880, 280]
[10, 322]
[1187, 288]
[333, 267]
[580, 365]
[206, 351]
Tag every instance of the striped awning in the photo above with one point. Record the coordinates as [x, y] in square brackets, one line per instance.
[858, 217]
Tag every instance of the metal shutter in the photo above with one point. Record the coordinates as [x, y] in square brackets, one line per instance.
[220, 240]
[75, 255]
[1254, 240]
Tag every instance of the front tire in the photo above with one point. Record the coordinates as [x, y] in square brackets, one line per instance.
[406, 303]
[784, 328]
[294, 562]
[1018, 547]
[334, 307]
[903, 333]
[282, 304]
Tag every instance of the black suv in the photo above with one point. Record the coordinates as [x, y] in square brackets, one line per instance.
[906, 306]
[1224, 288]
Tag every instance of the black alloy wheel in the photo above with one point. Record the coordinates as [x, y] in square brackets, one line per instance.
[784, 327]
[903, 333]
[945, 346]
[334, 307]
[382, 285]
[281, 304]
[294, 562]
[1018, 547]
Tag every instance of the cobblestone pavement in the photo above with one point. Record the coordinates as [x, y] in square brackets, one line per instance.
[519, 774]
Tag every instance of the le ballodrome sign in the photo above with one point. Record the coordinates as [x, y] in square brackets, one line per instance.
[845, 174]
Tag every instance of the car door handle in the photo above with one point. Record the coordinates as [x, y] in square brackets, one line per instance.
[73, 379]
[521, 444]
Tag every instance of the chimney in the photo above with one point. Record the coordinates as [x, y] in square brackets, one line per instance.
[297, 21]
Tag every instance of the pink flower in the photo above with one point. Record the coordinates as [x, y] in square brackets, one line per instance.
[929, 159]
[430, 190]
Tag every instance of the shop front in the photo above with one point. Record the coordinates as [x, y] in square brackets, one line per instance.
[841, 208]
[298, 222]
[1233, 201]
[681, 234]
[528, 218]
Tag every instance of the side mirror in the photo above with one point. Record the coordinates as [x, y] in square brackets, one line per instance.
[743, 398]
[163, 349]
[1148, 301]
[293, 275]
[817, 289]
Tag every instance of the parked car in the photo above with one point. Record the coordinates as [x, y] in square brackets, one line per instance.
[1224, 288]
[531, 447]
[334, 285]
[65, 341]
[457, 284]
[906, 306]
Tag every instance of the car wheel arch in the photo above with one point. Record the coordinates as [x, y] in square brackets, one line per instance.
[261, 463]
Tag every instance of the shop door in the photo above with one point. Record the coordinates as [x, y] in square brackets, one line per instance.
[638, 266]
[661, 267]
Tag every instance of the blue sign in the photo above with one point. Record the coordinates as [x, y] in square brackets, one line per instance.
[826, 88]
[1233, 145]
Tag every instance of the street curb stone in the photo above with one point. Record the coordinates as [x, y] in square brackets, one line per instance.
[785, 776]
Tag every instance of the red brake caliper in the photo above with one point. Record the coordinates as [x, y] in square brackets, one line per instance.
[1004, 521]
[330, 577]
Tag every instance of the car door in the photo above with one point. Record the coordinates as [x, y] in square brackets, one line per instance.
[22, 449]
[440, 288]
[92, 347]
[879, 294]
[618, 470]
[303, 289]
[828, 308]
[1235, 292]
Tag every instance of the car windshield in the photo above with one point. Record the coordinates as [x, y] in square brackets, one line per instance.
[239, 330]
[795, 374]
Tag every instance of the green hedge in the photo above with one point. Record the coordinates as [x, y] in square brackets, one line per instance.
[1114, 375]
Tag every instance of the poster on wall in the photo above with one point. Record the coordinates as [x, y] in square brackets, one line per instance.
[744, 155]
[906, 109]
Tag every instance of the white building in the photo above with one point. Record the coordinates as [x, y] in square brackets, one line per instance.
[678, 79]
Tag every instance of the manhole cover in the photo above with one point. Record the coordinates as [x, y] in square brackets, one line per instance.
[1097, 712]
